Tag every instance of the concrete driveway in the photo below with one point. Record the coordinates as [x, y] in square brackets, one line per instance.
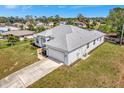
[30, 74]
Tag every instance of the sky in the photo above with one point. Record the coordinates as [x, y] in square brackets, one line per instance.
[61, 10]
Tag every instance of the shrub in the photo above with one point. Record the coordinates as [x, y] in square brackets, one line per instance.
[12, 40]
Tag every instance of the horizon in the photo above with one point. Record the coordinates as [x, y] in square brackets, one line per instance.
[65, 11]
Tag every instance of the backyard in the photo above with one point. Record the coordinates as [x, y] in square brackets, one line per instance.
[13, 58]
[104, 68]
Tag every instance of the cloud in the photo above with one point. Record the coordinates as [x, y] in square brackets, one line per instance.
[26, 7]
[11, 6]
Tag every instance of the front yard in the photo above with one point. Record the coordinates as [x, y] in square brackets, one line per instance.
[104, 68]
[13, 58]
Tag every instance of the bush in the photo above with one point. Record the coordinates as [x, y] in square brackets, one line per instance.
[25, 39]
[12, 40]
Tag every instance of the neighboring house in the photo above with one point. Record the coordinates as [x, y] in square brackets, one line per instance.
[68, 43]
[1, 38]
[2, 24]
[25, 27]
[39, 24]
[20, 25]
[62, 23]
[80, 24]
[17, 24]
[50, 24]
[21, 34]
[8, 28]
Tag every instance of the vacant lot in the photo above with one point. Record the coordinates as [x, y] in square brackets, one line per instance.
[104, 68]
[13, 58]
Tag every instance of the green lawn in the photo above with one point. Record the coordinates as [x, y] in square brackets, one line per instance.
[103, 68]
[3, 44]
[13, 58]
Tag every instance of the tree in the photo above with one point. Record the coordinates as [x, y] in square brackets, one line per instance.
[80, 17]
[57, 18]
[105, 28]
[12, 40]
[40, 29]
[3, 19]
[44, 20]
[31, 27]
[115, 18]
[70, 21]
[30, 19]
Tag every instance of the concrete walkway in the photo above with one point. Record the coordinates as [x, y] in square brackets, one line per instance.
[30, 74]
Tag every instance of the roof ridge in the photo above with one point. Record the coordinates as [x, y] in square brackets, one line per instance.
[71, 27]
[66, 41]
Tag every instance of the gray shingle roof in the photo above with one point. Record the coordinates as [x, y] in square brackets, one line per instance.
[68, 38]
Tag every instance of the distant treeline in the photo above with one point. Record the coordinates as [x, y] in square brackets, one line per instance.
[112, 23]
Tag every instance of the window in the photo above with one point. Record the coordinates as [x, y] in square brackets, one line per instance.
[100, 38]
[94, 42]
[37, 40]
[87, 45]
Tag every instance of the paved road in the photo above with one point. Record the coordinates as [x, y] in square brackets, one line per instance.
[30, 74]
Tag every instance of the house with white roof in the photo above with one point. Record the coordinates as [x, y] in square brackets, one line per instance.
[68, 43]
[8, 28]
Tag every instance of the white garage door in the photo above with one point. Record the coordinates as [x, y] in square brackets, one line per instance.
[56, 54]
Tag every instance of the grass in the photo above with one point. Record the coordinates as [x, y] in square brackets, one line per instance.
[102, 69]
[3, 44]
[13, 58]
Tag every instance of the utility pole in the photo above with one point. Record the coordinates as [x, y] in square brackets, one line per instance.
[122, 32]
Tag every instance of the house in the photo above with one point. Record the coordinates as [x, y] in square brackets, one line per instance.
[40, 24]
[1, 38]
[20, 25]
[8, 28]
[62, 23]
[21, 34]
[17, 24]
[68, 43]
[80, 24]
[50, 24]
[2, 24]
